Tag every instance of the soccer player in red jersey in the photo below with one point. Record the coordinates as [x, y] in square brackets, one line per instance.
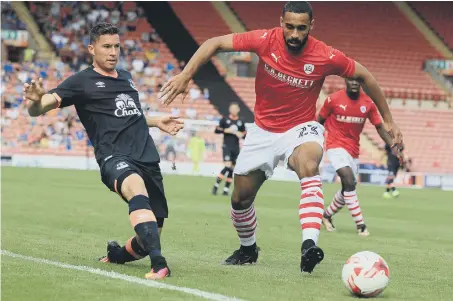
[290, 74]
[344, 114]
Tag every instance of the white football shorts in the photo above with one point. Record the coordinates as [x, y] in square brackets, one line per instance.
[263, 150]
[340, 158]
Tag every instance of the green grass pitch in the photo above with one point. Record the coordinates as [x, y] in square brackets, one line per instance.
[68, 216]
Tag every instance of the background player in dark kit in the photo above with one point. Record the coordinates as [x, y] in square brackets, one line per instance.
[108, 106]
[233, 129]
[393, 165]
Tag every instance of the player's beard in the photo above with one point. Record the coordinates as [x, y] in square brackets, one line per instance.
[300, 44]
[353, 94]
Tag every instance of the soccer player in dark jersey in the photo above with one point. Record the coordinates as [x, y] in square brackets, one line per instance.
[233, 129]
[108, 106]
[393, 165]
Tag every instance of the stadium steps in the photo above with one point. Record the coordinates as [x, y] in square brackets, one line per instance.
[178, 39]
[44, 50]
[229, 17]
[427, 32]
[222, 60]
[437, 15]
[202, 29]
[403, 50]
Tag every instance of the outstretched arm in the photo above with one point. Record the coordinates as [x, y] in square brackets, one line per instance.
[383, 134]
[168, 124]
[37, 100]
[47, 103]
[325, 110]
[152, 121]
[388, 140]
[373, 90]
[206, 51]
[178, 84]
[250, 41]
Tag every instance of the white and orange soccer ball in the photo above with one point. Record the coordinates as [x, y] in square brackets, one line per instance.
[366, 274]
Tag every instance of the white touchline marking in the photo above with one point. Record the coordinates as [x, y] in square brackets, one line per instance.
[114, 275]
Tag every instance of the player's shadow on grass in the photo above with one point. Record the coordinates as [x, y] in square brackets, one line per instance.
[311, 276]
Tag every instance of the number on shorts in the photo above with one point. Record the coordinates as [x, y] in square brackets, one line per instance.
[303, 132]
[308, 130]
[314, 130]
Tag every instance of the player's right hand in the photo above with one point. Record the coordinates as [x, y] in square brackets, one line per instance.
[398, 153]
[34, 91]
[175, 86]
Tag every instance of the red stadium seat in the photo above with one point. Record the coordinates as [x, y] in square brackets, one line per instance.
[428, 137]
[202, 28]
[393, 50]
[21, 123]
[438, 15]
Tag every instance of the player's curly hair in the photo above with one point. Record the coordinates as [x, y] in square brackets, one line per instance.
[298, 7]
[100, 29]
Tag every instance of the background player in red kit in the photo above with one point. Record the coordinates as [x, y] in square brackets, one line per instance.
[344, 114]
[290, 74]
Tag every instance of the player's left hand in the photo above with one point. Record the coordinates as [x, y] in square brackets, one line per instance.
[394, 131]
[170, 124]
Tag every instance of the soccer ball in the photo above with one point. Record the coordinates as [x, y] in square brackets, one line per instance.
[366, 274]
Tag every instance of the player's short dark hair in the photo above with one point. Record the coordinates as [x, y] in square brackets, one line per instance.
[101, 29]
[298, 7]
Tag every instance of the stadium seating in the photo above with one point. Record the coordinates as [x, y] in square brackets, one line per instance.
[392, 49]
[201, 19]
[244, 88]
[45, 138]
[428, 136]
[433, 135]
[201, 28]
[426, 132]
[9, 19]
[141, 26]
[438, 15]
[395, 57]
